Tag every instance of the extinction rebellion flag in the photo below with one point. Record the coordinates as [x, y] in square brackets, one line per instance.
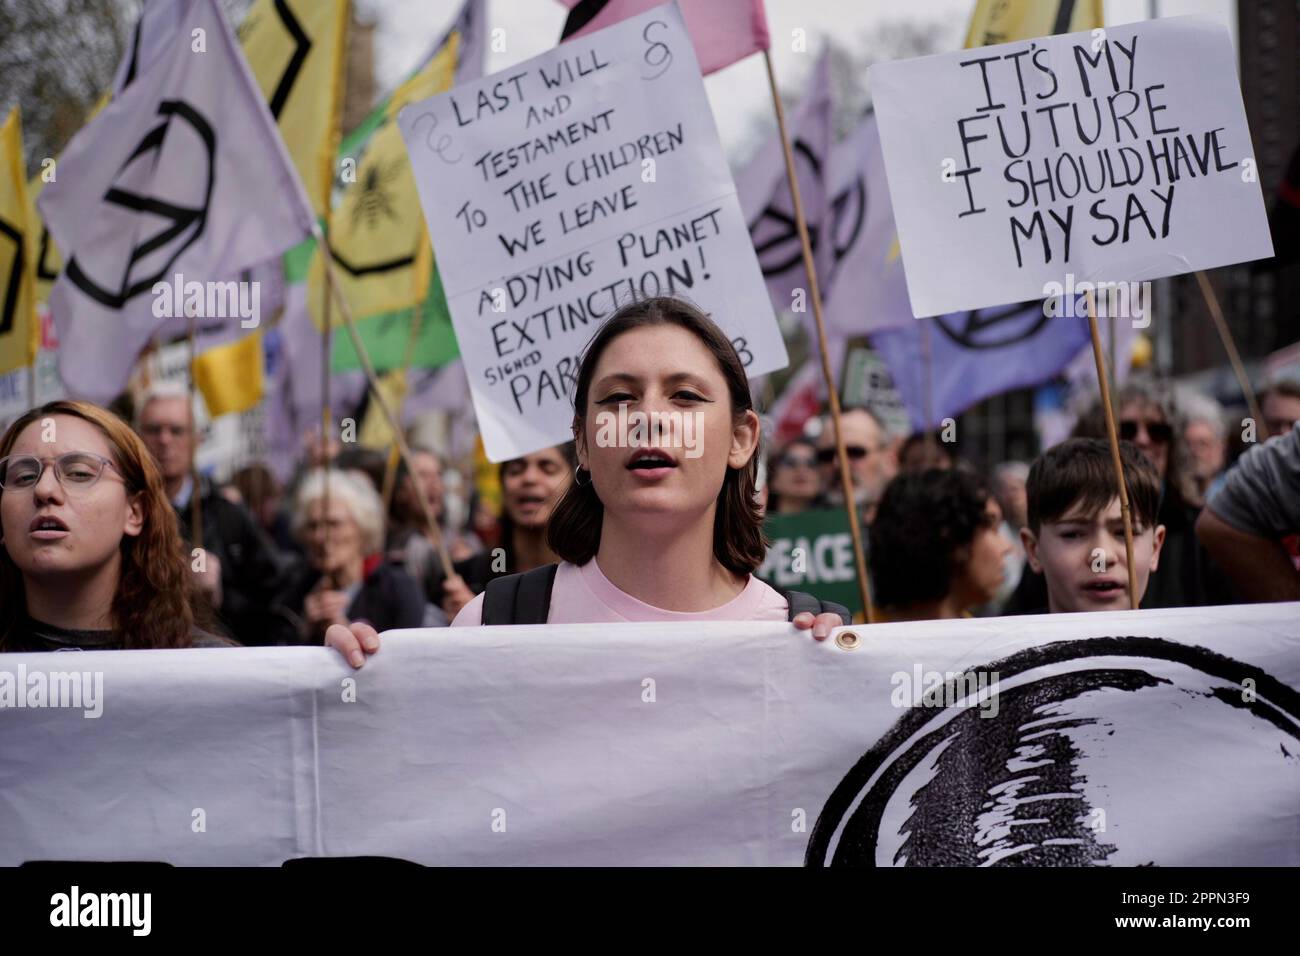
[181, 179]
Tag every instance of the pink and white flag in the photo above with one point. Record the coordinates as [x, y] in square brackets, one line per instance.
[723, 31]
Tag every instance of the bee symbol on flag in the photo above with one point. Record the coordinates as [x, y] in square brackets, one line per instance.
[375, 198]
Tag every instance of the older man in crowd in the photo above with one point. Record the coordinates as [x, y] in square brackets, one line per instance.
[238, 567]
[872, 459]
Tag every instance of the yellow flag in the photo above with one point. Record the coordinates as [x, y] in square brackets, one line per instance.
[231, 376]
[1005, 21]
[48, 261]
[295, 49]
[19, 330]
[375, 431]
[377, 230]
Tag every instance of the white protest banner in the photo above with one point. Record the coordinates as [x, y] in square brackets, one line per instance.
[1162, 737]
[1108, 156]
[562, 188]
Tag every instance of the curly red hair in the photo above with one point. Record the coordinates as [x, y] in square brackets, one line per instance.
[154, 602]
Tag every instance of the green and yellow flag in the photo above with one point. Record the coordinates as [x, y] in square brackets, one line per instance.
[387, 337]
[1005, 21]
[19, 329]
[377, 232]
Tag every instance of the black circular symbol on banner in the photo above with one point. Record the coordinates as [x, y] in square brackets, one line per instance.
[952, 785]
[993, 328]
[186, 223]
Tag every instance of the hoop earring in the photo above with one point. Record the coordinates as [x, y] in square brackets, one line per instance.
[578, 480]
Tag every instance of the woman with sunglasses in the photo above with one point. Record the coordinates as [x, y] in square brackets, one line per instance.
[661, 529]
[1187, 576]
[793, 480]
[1150, 419]
[90, 553]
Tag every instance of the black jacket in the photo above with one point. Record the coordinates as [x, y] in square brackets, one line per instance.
[251, 568]
[388, 598]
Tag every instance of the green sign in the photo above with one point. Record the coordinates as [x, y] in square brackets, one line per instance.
[812, 551]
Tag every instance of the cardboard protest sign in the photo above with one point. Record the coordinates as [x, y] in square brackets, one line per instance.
[1108, 156]
[562, 188]
[812, 551]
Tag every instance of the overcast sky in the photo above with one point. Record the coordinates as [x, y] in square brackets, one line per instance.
[407, 28]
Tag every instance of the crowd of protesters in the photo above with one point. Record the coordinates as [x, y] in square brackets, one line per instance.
[102, 546]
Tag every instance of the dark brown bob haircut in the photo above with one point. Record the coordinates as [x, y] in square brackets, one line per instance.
[1080, 472]
[738, 541]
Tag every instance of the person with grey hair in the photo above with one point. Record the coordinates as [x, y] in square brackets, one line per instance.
[1205, 434]
[344, 577]
[873, 461]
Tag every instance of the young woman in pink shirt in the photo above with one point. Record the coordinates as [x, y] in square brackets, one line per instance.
[661, 525]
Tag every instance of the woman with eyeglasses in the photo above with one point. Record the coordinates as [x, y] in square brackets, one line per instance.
[793, 480]
[90, 553]
[656, 528]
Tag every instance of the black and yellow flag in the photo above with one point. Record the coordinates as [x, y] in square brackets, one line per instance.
[19, 330]
[377, 232]
[295, 49]
[1005, 21]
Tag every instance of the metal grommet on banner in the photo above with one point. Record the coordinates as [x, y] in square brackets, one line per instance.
[848, 640]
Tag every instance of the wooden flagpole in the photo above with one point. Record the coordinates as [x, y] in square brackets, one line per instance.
[1230, 346]
[1112, 346]
[327, 331]
[1103, 383]
[846, 479]
[377, 396]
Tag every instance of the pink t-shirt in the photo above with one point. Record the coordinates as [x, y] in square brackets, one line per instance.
[583, 595]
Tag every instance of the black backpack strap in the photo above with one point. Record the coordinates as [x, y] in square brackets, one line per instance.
[800, 601]
[523, 598]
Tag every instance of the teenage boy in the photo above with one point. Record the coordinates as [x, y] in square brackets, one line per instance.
[1075, 535]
